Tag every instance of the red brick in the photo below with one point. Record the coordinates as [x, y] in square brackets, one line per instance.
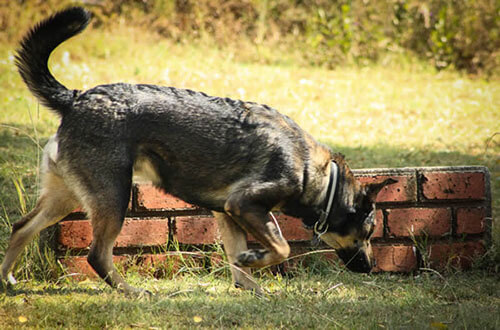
[293, 228]
[196, 230]
[471, 220]
[75, 234]
[431, 221]
[405, 190]
[143, 233]
[168, 263]
[81, 269]
[78, 234]
[459, 254]
[379, 224]
[217, 260]
[150, 197]
[463, 185]
[394, 258]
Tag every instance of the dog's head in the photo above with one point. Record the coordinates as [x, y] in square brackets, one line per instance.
[352, 222]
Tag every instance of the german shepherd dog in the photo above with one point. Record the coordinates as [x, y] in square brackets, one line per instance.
[239, 159]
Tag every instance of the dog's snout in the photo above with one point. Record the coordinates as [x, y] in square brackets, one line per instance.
[356, 260]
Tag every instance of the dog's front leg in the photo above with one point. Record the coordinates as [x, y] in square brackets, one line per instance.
[235, 241]
[253, 217]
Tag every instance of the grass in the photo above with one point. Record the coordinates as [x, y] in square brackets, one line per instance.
[330, 299]
[402, 114]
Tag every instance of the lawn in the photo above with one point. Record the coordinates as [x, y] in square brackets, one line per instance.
[400, 114]
[331, 298]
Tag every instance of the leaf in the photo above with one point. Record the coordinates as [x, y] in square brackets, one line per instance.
[197, 319]
[22, 319]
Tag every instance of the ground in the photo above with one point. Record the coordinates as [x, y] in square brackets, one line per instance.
[328, 299]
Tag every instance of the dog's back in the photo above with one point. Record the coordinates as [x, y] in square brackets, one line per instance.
[197, 145]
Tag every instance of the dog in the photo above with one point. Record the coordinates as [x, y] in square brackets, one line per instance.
[241, 160]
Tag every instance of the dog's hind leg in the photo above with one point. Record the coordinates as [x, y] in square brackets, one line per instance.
[106, 207]
[55, 202]
[235, 241]
[106, 225]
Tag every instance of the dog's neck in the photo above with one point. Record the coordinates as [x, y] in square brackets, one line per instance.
[321, 225]
[315, 197]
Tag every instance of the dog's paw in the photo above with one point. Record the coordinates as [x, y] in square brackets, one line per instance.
[249, 258]
[7, 282]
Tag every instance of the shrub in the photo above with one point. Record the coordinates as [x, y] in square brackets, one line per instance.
[463, 34]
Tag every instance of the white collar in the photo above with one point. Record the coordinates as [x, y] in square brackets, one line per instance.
[321, 226]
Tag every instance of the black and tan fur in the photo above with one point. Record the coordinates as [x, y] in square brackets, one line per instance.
[239, 159]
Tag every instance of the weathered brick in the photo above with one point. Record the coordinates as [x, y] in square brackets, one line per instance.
[168, 263]
[75, 234]
[417, 221]
[217, 260]
[453, 185]
[405, 190]
[81, 269]
[394, 258]
[152, 198]
[196, 230]
[293, 228]
[471, 220]
[78, 234]
[458, 254]
[379, 224]
[143, 233]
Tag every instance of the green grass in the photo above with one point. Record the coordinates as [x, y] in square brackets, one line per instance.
[330, 299]
[402, 114]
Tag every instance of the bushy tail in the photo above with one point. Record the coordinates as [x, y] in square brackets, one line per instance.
[33, 55]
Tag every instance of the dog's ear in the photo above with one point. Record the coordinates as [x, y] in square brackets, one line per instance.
[372, 189]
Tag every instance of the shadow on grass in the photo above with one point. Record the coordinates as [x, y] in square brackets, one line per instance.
[53, 291]
[391, 302]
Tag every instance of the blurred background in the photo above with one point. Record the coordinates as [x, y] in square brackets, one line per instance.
[446, 34]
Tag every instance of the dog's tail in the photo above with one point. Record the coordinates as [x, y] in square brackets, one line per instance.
[33, 55]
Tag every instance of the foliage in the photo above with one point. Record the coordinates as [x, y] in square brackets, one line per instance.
[463, 34]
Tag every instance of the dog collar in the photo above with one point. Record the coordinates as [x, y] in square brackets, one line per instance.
[321, 226]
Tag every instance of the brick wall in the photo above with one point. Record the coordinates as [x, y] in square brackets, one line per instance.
[433, 217]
